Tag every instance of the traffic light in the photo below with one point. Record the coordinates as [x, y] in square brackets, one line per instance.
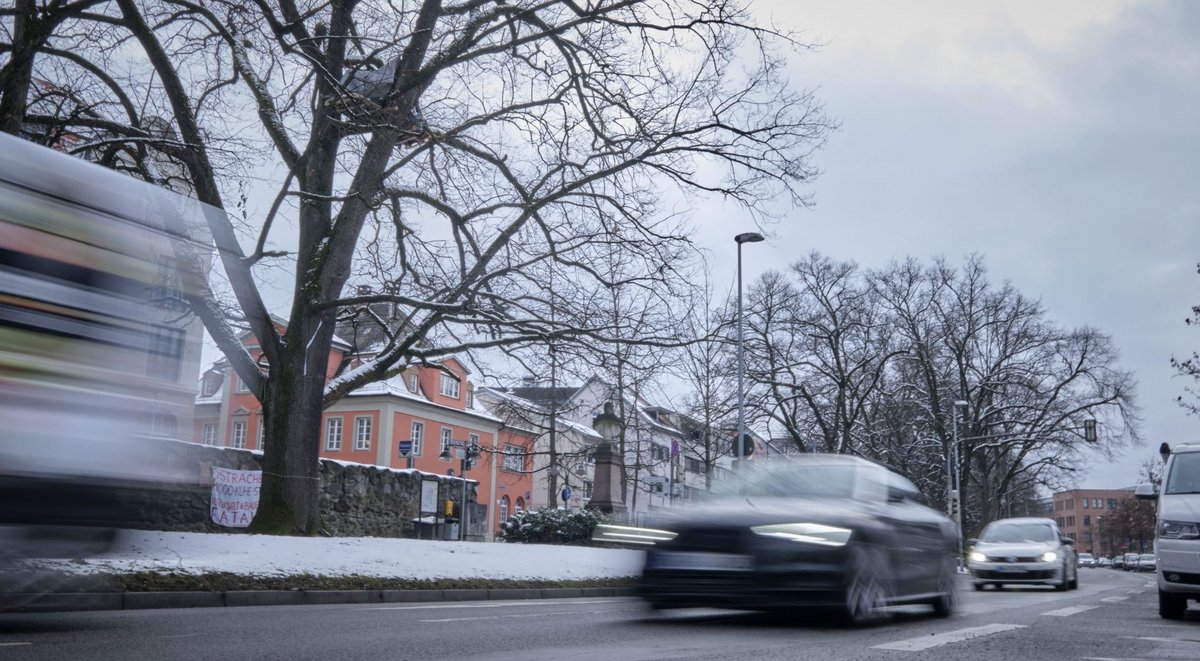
[954, 504]
[471, 457]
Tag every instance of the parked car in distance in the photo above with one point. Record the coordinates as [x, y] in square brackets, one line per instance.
[1085, 560]
[1146, 562]
[1131, 561]
[1118, 562]
[1023, 550]
[1104, 562]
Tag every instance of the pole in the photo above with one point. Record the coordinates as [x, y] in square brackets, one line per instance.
[748, 237]
[741, 432]
[957, 493]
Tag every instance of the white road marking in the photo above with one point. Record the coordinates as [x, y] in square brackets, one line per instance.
[926, 642]
[1113, 600]
[1114, 658]
[492, 604]
[1073, 610]
[1155, 639]
[13, 644]
[520, 615]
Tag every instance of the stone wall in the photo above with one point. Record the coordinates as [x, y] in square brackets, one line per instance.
[355, 499]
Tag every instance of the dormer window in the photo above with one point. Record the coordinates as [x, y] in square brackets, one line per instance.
[449, 386]
[414, 383]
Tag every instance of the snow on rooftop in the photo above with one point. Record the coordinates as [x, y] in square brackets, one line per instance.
[270, 555]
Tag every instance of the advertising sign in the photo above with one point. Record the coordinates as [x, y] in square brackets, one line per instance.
[234, 496]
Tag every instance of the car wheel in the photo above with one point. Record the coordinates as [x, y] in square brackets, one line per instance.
[1074, 584]
[1063, 581]
[1171, 606]
[866, 593]
[947, 599]
[978, 587]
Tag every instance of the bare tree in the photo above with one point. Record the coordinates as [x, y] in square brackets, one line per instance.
[705, 366]
[1189, 368]
[470, 140]
[827, 349]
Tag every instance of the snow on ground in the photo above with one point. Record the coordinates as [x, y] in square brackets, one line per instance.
[269, 555]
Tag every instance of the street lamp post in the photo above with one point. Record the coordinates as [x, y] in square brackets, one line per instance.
[954, 477]
[747, 237]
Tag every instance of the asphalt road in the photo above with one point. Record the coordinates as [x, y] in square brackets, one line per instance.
[1112, 616]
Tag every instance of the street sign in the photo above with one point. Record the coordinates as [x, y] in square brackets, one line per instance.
[405, 448]
[458, 444]
[566, 494]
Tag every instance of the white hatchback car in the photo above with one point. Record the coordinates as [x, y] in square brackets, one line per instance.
[1086, 560]
[1024, 550]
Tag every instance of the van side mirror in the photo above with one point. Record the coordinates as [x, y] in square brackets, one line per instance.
[1164, 450]
[1146, 492]
[973, 541]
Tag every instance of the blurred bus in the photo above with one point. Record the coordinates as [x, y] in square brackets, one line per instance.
[96, 345]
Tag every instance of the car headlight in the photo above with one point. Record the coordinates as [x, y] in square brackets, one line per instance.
[1049, 556]
[809, 533]
[1178, 530]
[976, 556]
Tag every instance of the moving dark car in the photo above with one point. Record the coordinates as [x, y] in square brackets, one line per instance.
[821, 531]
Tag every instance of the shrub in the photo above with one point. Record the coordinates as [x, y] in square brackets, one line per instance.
[550, 526]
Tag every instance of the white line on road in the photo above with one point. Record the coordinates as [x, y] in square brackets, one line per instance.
[926, 642]
[1073, 610]
[13, 644]
[1114, 658]
[493, 604]
[520, 615]
[1113, 600]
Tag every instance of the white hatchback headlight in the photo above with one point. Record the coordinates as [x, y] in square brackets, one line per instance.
[976, 556]
[1049, 556]
[808, 533]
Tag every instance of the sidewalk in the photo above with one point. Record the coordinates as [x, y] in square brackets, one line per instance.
[95, 601]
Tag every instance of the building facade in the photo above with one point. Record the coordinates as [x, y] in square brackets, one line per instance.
[1081, 515]
[431, 408]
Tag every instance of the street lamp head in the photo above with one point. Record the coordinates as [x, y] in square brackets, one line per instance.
[748, 237]
[607, 424]
[553, 470]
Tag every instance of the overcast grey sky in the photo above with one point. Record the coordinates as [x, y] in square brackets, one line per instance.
[1059, 139]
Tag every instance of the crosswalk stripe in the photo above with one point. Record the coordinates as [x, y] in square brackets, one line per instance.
[1113, 600]
[926, 642]
[1073, 610]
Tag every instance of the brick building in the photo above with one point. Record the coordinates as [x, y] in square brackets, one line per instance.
[1080, 515]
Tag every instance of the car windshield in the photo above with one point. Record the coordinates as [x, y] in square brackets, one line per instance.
[1185, 473]
[1018, 532]
[800, 479]
[1085, 556]
[1147, 556]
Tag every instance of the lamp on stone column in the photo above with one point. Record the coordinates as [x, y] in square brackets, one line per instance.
[606, 487]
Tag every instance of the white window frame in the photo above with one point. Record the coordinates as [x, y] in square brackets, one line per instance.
[362, 432]
[415, 383]
[450, 386]
[332, 443]
[237, 435]
[514, 458]
[418, 437]
[473, 441]
[470, 397]
[208, 435]
[241, 384]
[504, 508]
[261, 435]
[447, 435]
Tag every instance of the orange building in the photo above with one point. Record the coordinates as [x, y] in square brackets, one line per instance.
[431, 408]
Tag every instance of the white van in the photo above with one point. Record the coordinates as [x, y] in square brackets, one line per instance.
[1177, 530]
